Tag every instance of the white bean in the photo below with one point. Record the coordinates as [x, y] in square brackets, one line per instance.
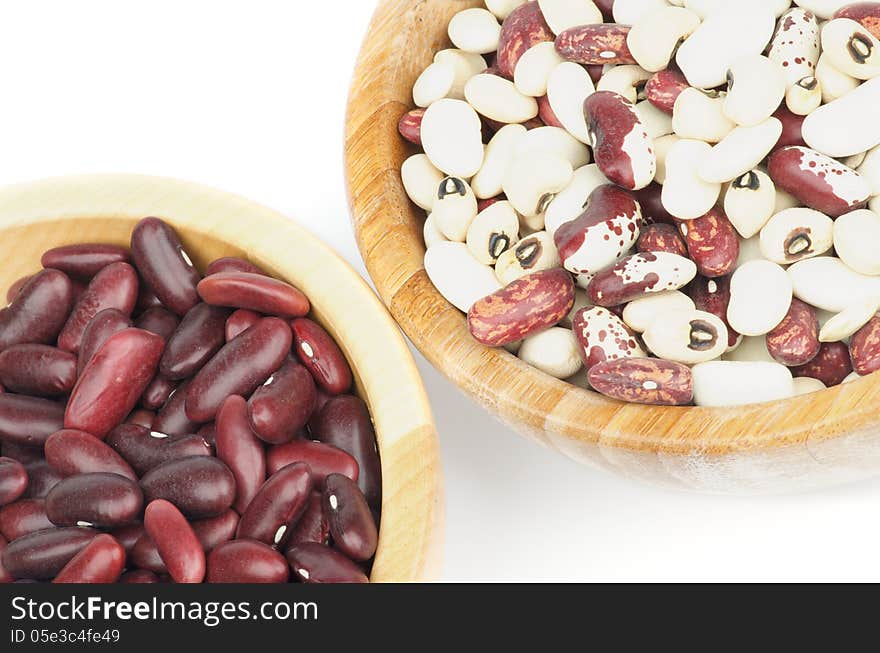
[487, 183]
[498, 99]
[630, 12]
[654, 37]
[796, 234]
[740, 151]
[534, 68]
[641, 313]
[795, 46]
[857, 241]
[570, 202]
[656, 122]
[848, 125]
[662, 146]
[452, 138]
[565, 14]
[553, 140]
[756, 87]
[431, 233]
[685, 195]
[851, 48]
[455, 208]
[475, 30]
[828, 283]
[750, 202]
[464, 64]
[567, 89]
[834, 83]
[688, 337]
[494, 231]
[804, 97]
[751, 349]
[760, 296]
[805, 385]
[730, 383]
[458, 276]
[870, 170]
[435, 83]
[554, 352]
[532, 254]
[704, 8]
[532, 181]
[847, 322]
[503, 8]
[421, 180]
[624, 80]
[700, 116]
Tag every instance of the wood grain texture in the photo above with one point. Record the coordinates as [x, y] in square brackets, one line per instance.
[211, 223]
[819, 439]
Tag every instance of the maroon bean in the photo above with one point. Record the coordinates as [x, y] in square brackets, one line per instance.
[147, 299]
[23, 517]
[792, 128]
[116, 286]
[158, 320]
[523, 28]
[100, 561]
[547, 116]
[200, 335]
[16, 287]
[13, 480]
[71, 452]
[713, 296]
[712, 242]
[29, 421]
[141, 417]
[177, 544]
[43, 554]
[37, 370]
[246, 561]
[113, 381]
[313, 525]
[831, 365]
[214, 531]
[238, 368]
[795, 341]
[351, 522]
[865, 348]
[410, 126]
[663, 89]
[345, 423]
[21, 453]
[321, 355]
[105, 324]
[322, 459]
[278, 505]
[41, 479]
[145, 555]
[164, 265]
[38, 312]
[232, 264]
[209, 433]
[138, 577]
[283, 404]
[157, 393]
[128, 535]
[172, 417]
[98, 499]
[598, 44]
[254, 292]
[200, 486]
[240, 321]
[5, 576]
[240, 448]
[650, 200]
[607, 9]
[316, 563]
[84, 260]
[661, 237]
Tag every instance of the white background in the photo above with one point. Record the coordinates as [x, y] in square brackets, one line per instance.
[250, 96]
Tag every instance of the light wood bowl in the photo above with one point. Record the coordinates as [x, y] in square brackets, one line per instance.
[211, 223]
[819, 439]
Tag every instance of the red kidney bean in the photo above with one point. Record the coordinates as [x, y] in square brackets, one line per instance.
[37, 370]
[238, 368]
[200, 335]
[232, 264]
[141, 417]
[321, 355]
[792, 128]
[116, 286]
[13, 480]
[240, 448]
[5, 576]
[15, 288]
[209, 433]
[865, 348]
[214, 531]
[158, 320]
[712, 242]
[43, 554]
[113, 381]
[410, 126]
[661, 237]
[795, 341]
[23, 517]
[663, 89]
[283, 404]
[70, 452]
[277, 506]
[351, 522]
[523, 28]
[128, 535]
[177, 544]
[41, 479]
[344, 422]
[200, 486]
[146, 299]
[98, 499]
[105, 324]
[255, 292]
[38, 312]
[240, 321]
[713, 296]
[158, 392]
[246, 561]
[138, 577]
[313, 525]
[172, 417]
[598, 44]
[316, 563]
[100, 561]
[84, 260]
[322, 459]
[20, 453]
[831, 365]
[29, 421]
[145, 555]
[164, 265]
[650, 200]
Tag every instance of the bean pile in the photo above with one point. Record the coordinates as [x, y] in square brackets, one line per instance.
[160, 426]
[670, 202]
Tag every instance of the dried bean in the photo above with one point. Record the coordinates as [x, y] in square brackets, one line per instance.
[43, 554]
[13, 480]
[100, 561]
[37, 370]
[70, 452]
[200, 486]
[98, 499]
[164, 265]
[84, 260]
[200, 334]
[39, 310]
[316, 563]
[351, 523]
[176, 542]
[242, 451]
[246, 561]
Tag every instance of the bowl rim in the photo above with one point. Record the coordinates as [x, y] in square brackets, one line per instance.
[384, 368]
[395, 50]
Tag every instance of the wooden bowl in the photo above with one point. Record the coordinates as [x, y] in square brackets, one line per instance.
[823, 438]
[211, 223]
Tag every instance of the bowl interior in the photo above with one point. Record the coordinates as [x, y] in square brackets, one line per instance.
[635, 440]
[35, 217]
